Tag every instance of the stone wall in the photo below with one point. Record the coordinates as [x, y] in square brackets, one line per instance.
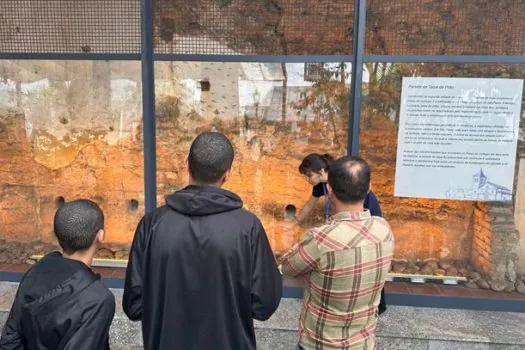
[495, 244]
[482, 239]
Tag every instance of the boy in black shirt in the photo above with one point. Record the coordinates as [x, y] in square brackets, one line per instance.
[61, 303]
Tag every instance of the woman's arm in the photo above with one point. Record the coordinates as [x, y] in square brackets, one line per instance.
[307, 209]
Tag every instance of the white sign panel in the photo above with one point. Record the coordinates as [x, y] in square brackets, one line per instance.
[457, 138]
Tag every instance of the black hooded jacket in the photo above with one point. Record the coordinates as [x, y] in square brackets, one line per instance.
[60, 304]
[200, 270]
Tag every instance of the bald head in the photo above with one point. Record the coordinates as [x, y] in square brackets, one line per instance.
[349, 178]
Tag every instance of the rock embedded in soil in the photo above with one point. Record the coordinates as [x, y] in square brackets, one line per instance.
[39, 247]
[472, 285]
[426, 270]
[412, 268]
[104, 253]
[122, 255]
[475, 276]
[399, 267]
[440, 272]
[114, 248]
[411, 271]
[452, 271]
[420, 263]
[510, 287]
[520, 287]
[433, 264]
[445, 265]
[498, 286]
[483, 284]
[463, 272]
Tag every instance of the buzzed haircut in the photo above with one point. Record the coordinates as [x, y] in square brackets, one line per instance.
[211, 155]
[77, 223]
[349, 178]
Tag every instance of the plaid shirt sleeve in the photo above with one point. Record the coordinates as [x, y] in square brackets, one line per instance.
[302, 258]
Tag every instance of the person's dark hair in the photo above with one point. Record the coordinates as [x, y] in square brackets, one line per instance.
[77, 223]
[313, 163]
[211, 155]
[349, 178]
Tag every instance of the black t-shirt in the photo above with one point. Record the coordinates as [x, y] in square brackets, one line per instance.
[318, 190]
[371, 202]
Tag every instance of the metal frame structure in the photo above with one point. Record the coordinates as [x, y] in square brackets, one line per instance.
[148, 106]
[147, 56]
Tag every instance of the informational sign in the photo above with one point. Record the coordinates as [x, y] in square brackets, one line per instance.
[457, 138]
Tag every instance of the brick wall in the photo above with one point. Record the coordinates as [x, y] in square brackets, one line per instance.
[495, 242]
[481, 257]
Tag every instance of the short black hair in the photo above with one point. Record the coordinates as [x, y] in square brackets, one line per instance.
[315, 162]
[77, 223]
[211, 155]
[349, 178]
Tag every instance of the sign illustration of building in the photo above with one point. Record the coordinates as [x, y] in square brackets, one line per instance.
[482, 189]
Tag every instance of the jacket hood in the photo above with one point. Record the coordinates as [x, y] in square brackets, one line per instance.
[203, 200]
[53, 278]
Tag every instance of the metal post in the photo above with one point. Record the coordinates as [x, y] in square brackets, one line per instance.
[148, 106]
[358, 45]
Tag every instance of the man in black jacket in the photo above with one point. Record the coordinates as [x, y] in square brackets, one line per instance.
[200, 267]
[61, 303]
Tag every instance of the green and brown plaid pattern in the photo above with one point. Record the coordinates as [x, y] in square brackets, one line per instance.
[345, 264]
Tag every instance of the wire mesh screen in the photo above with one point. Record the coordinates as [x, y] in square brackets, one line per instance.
[253, 26]
[446, 27]
[70, 26]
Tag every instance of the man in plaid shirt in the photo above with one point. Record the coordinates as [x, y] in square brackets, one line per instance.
[345, 264]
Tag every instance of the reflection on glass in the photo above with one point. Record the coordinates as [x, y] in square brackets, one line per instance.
[409, 27]
[275, 114]
[68, 129]
[284, 27]
[436, 237]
